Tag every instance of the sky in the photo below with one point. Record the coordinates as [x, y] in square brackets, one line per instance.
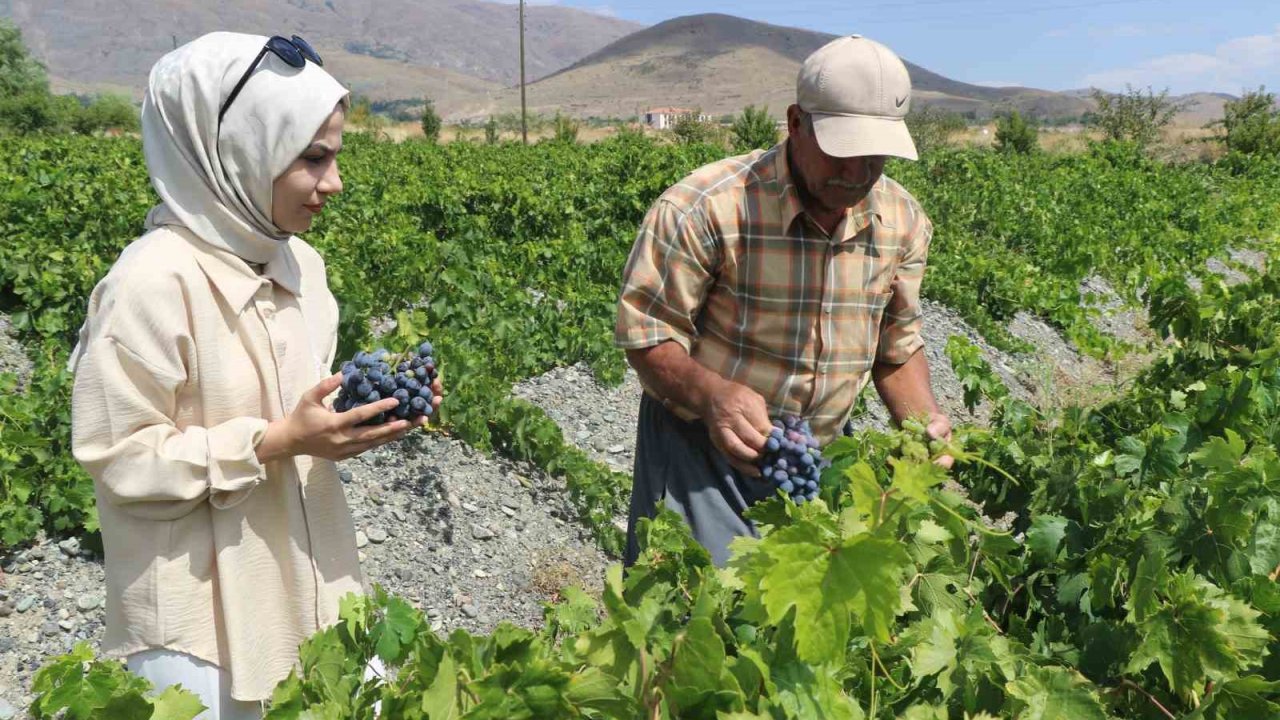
[1182, 45]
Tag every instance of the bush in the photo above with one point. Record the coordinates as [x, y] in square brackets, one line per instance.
[690, 129]
[106, 112]
[566, 129]
[932, 127]
[491, 131]
[430, 121]
[1252, 124]
[1014, 134]
[753, 129]
[33, 112]
[1133, 116]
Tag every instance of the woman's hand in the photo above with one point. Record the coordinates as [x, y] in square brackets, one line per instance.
[314, 429]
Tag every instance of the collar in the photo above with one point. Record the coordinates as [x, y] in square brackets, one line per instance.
[237, 282]
[857, 218]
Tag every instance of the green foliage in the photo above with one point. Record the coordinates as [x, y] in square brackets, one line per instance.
[107, 112]
[20, 74]
[1133, 116]
[753, 129]
[691, 129]
[1015, 135]
[491, 131]
[1251, 124]
[566, 129]
[35, 112]
[431, 121]
[75, 686]
[1140, 568]
[933, 127]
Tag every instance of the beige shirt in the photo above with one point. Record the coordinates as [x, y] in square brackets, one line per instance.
[188, 353]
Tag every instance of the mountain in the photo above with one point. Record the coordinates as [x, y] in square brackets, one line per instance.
[392, 48]
[720, 63]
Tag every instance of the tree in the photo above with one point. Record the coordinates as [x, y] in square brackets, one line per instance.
[1015, 135]
[19, 72]
[566, 129]
[1252, 124]
[690, 129]
[491, 131]
[932, 127]
[753, 129]
[106, 112]
[1133, 116]
[430, 121]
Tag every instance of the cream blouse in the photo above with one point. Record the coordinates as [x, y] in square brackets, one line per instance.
[187, 354]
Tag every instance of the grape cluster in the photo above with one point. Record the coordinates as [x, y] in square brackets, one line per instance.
[792, 460]
[372, 376]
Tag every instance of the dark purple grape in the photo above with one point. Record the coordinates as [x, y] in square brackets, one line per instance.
[372, 397]
[425, 349]
[363, 389]
[419, 404]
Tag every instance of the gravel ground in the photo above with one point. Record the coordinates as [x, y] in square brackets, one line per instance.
[469, 538]
[12, 357]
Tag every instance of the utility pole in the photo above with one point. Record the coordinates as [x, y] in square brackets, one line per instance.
[524, 121]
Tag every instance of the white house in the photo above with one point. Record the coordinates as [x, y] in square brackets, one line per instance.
[664, 118]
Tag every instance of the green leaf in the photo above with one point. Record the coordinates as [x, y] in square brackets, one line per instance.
[1055, 693]
[175, 703]
[1045, 535]
[828, 582]
[396, 630]
[913, 479]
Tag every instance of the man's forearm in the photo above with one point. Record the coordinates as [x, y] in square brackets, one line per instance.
[668, 369]
[905, 388]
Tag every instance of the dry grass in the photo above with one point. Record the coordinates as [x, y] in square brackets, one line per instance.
[553, 572]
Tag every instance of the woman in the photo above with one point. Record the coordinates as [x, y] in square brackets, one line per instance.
[199, 403]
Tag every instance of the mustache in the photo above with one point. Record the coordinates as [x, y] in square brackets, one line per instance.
[848, 185]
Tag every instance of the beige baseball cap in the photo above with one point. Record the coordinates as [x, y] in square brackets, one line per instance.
[858, 92]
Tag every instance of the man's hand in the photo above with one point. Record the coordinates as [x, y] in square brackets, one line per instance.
[737, 419]
[939, 428]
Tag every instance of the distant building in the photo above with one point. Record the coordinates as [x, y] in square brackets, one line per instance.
[665, 118]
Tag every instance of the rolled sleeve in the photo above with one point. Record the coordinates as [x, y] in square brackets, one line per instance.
[666, 280]
[124, 436]
[903, 319]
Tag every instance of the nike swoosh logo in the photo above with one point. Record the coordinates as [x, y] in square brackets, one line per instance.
[899, 101]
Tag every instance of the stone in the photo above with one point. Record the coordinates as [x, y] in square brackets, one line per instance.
[480, 573]
[25, 603]
[7, 711]
[70, 546]
[616, 449]
[511, 503]
[480, 532]
[470, 611]
[50, 603]
[469, 507]
[399, 515]
[6, 609]
[67, 625]
[508, 511]
[344, 475]
[7, 644]
[87, 603]
[377, 535]
[50, 629]
[361, 539]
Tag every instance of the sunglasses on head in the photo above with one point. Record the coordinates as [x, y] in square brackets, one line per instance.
[295, 52]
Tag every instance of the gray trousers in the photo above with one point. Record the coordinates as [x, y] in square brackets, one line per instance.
[677, 466]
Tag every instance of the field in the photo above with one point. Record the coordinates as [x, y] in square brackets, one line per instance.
[1138, 579]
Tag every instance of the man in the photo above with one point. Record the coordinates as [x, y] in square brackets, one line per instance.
[774, 283]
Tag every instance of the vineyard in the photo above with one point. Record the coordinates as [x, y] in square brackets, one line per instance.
[1139, 579]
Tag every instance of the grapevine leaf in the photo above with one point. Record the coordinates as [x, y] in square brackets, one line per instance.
[913, 479]
[1055, 693]
[174, 703]
[1045, 535]
[397, 630]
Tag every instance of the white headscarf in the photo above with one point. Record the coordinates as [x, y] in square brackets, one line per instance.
[217, 182]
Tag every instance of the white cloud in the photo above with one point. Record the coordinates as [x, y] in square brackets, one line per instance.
[1239, 64]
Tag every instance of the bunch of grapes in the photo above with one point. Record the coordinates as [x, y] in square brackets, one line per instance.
[792, 460]
[372, 376]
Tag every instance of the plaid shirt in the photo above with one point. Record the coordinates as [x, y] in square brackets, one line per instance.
[729, 265]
